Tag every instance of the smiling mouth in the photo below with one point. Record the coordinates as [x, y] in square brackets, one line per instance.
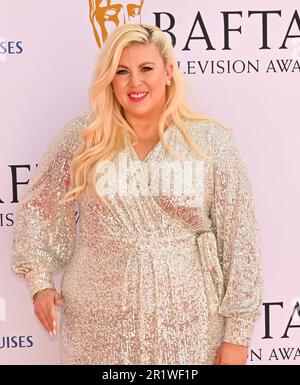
[137, 97]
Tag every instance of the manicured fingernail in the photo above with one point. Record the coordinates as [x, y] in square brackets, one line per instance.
[51, 333]
[54, 332]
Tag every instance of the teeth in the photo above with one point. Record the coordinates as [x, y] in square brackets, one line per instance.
[136, 96]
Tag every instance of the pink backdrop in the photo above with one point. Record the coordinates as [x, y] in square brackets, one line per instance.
[47, 54]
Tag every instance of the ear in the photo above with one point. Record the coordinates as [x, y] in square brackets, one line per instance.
[169, 71]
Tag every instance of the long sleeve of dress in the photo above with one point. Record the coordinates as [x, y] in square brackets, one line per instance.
[45, 230]
[235, 224]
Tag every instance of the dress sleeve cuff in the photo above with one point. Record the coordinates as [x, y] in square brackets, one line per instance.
[239, 330]
[37, 281]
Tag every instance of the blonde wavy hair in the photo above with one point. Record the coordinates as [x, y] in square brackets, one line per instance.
[104, 135]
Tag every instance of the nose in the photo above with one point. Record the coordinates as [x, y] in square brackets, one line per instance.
[135, 79]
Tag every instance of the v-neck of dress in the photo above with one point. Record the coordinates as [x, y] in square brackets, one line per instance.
[154, 149]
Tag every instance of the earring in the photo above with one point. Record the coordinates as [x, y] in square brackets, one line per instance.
[168, 82]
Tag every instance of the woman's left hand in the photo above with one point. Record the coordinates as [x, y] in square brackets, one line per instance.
[232, 354]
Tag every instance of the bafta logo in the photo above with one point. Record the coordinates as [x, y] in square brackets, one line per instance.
[105, 15]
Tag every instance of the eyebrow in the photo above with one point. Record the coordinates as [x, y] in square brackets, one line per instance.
[142, 64]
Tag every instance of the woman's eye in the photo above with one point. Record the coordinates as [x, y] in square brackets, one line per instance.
[144, 69]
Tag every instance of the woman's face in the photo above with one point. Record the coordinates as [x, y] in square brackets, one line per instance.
[140, 81]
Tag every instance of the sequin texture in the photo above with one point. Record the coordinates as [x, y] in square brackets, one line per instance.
[153, 279]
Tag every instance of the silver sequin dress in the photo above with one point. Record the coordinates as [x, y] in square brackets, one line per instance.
[151, 278]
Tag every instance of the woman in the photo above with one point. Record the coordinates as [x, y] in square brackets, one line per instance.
[152, 276]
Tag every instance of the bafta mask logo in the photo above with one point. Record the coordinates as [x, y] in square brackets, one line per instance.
[105, 15]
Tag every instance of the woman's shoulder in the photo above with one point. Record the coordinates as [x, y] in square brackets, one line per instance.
[75, 124]
[70, 133]
[212, 135]
[67, 138]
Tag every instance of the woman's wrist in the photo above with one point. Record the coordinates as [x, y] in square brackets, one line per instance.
[40, 292]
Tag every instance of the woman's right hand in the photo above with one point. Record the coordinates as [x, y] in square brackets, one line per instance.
[44, 309]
